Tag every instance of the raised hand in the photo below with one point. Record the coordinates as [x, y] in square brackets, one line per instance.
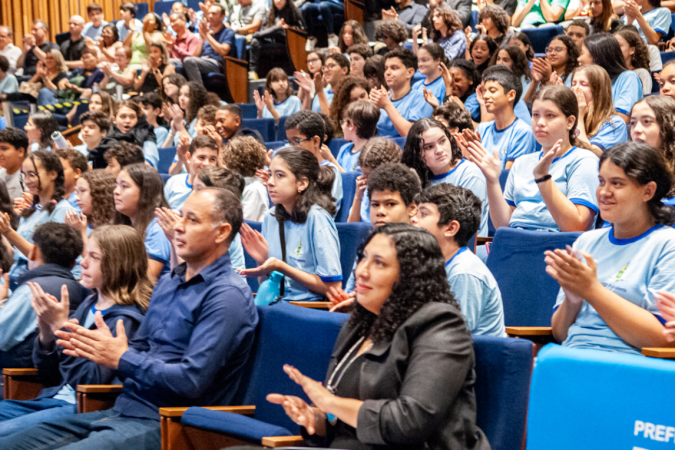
[254, 243]
[297, 409]
[574, 276]
[542, 167]
[447, 79]
[5, 223]
[77, 221]
[167, 219]
[489, 164]
[318, 81]
[361, 185]
[259, 103]
[304, 81]
[543, 68]
[430, 97]
[269, 100]
[389, 14]
[51, 313]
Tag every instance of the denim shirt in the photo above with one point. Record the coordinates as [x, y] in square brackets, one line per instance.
[193, 344]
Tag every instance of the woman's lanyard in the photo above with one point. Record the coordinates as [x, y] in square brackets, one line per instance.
[344, 364]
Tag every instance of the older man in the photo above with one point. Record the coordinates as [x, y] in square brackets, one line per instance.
[190, 349]
[8, 49]
[72, 48]
[35, 47]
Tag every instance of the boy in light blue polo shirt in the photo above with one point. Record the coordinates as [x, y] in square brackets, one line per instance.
[203, 152]
[306, 129]
[404, 105]
[507, 134]
[452, 214]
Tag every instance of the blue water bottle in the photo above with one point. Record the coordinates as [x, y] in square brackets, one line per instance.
[269, 289]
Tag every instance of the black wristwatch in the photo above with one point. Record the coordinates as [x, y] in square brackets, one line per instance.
[542, 179]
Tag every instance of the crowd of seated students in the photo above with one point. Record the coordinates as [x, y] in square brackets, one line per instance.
[493, 134]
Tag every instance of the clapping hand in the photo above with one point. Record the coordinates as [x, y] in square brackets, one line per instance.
[77, 221]
[542, 167]
[380, 97]
[339, 299]
[430, 97]
[489, 164]
[573, 275]
[389, 14]
[666, 304]
[254, 243]
[167, 219]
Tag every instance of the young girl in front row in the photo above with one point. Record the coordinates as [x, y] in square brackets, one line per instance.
[303, 220]
[551, 190]
[279, 99]
[609, 280]
[115, 268]
[652, 122]
[138, 193]
[43, 176]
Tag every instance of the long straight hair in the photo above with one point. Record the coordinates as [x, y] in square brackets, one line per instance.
[602, 109]
[606, 53]
[566, 101]
[151, 195]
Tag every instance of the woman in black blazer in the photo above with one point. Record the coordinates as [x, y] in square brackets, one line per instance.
[402, 370]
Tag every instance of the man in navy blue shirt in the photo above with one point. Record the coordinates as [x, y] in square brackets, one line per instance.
[215, 41]
[189, 350]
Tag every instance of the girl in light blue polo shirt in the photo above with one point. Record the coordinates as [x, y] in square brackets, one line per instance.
[42, 174]
[138, 194]
[610, 277]
[604, 50]
[551, 190]
[599, 126]
[301, 190]
[429, 59]
[436, 158]
[279, 95]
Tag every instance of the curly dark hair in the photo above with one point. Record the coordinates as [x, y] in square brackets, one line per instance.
[412, 152]
[572, 54]
[303, 164]
[520, 66]
[198, 98]
[499, 17]
[393, 29]
[469, 68]
[663, 107]
[342, 98]
[395, 178]
[450, 18]
[377, 151]
[358, 35]
[59, 244]
[640, 59]
[245, 155]
[50, 162]
[373, 69]
[47, 124]
[425, 280]
[644, 164]
[125, 153]
[455, 203]
[455, 115]
[101, 186]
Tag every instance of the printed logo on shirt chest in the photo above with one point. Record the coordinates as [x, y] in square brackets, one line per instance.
[619, 276]
[298, 254]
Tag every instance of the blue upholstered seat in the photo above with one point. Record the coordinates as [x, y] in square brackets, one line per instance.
[264, 126]
[166, 156]
[351, 236]
[516, 260]
[540, 37]
[348, 193]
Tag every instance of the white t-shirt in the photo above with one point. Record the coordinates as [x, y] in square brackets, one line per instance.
[254, 200]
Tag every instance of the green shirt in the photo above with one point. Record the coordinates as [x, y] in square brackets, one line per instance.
[535, 17]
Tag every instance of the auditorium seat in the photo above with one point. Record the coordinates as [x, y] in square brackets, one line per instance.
[540, 37]
[335, 145]
[351, 236]
[161, 7]
[264, 126]
[348, 193]
[248, 110]
[281, 128]
[166, 156]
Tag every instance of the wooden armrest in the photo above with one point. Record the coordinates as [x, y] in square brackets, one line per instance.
[100, 388]
[354, 10]
[313, 305]
[662, 353]
[529, 331]
[236, 74]
[20, 372]
[297, 31]
[295, 44]
[483, 240]
[283, 441]
[248, 410]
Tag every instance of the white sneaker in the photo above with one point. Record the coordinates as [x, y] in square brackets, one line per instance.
[311, 43]
[333, 41]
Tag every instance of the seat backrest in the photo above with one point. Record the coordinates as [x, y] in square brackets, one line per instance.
[248, 110]
[667, 56]
[274, 145]
[516, 260]
[348, 193]
[503, 177]
[287, 334]
[335, 145]
[281, 128]
[400, 141]
[540, 37]
[503, 369]
[590, 399]
[162, 8]
[165, 177]
[240, 45]
[141, 10]
[166, 156]
[351, 236]
[249, 261]
[264, 126]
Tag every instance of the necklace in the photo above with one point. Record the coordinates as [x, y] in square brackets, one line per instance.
[344, 364]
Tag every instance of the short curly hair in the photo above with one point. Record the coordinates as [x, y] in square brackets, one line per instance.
[101, 186]
[455, 203]
[342, 98]
[395, 178]
[425, 281]
[455, 115]
[393, 29]
[378, 151]
[499, 17]
[245, 155]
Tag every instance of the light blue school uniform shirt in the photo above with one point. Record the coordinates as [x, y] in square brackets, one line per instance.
[90, 31]
[82, 148]
[576, 175]
[513, 141]
[161, 133]
[626, 91]
[477, 292]
[365, 207]
[73, 202]
[520, 110]
[316, 106]
[634, 269]
[122, 29]
[176, 190]
[610, 133]
[467, 175]
[289, 106]
[151, 153]
[158, 246]
[436, 87]
[411, 106]
[659, 19]
[347, 159]
[471, 104]
[237, 253]
[190, 130]
[336, 191]
[9, 85]
[312, 247]
[17, 318]
[526, 84]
